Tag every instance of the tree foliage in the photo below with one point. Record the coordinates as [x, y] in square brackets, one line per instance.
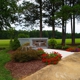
[8, 10]
[28, 14]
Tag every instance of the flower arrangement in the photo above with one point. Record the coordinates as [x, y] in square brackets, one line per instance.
[52, 58]
[73, 49]
[40, 51]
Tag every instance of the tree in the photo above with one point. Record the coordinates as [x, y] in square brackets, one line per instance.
[75, 5]
[63, 27]
[63, 16]
[28, 14]
[8, 10]
[51, 7]
[40, 6]
[68, 11]
[32, 13]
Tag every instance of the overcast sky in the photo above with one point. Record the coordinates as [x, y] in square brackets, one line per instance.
[68, 28]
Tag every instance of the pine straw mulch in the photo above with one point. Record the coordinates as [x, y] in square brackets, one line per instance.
[20, 70]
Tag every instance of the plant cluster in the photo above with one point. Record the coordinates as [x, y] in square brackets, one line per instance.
[24, 56]
[52, 58]
[73, 49]
[78, 46]
[52, 43]
[14, 44]
[58, 46]
[26, 44]
[40, 51]
[65, 47]
[2, 48]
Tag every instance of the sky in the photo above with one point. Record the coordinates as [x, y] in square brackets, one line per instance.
[68, 28]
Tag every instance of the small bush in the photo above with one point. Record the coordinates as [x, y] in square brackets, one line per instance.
[78, 46]
[26, 44]
[2, 48]
[40, 51]
[52, 43]
[73, 49]
[11, 44]
[14, 44]
[58, 46]
[23, 56]
[65, 47]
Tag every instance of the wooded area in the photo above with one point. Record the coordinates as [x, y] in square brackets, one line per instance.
[34, 33]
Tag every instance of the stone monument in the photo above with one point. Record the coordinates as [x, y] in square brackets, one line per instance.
[35, 42]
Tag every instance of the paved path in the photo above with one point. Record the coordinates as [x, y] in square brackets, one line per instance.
[67, 69]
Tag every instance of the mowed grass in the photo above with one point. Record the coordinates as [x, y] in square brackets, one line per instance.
[4, 43]
[4, 73]
[68, 41]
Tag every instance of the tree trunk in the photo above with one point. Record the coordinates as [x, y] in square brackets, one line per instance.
[71, 25]
[71, 20]
[53, 30]
[63, 28]
[63, 32]
[40, 18]
[73, 32]
[53, 21]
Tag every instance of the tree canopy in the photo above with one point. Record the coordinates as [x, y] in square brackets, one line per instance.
[8, 10]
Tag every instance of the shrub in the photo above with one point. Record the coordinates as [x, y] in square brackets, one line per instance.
[58, 46]
[26, 44]
[40, 51]
[23, 56]
[52, 43]
[2, 48]
[73, 49]
[14, 44]
[52, 58]
[78, 46]
[65, 47]
[11, 44]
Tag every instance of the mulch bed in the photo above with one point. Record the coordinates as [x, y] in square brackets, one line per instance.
[20, 70]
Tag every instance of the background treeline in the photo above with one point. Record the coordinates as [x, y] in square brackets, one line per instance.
[4, 34]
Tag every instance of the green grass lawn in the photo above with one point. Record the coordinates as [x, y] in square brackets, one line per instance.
[4, 43]
[4, 73]
[68, 41]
